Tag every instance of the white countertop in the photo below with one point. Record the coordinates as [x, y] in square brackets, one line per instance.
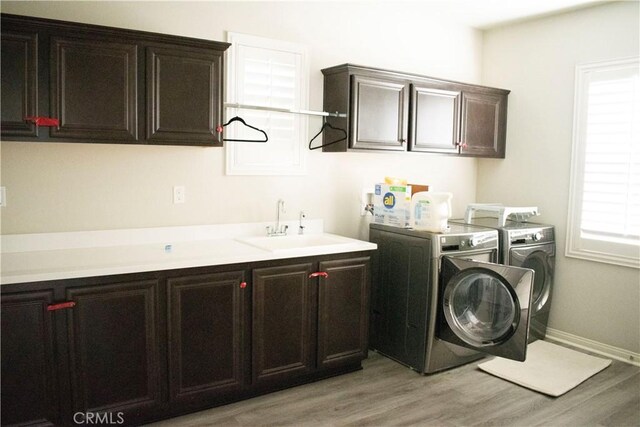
[50, 256]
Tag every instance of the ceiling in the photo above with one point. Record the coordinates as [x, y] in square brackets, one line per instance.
[484, 14]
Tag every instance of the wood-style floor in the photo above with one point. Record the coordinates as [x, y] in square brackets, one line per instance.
[386, 393]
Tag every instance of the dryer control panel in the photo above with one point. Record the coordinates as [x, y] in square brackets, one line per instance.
[531, 236]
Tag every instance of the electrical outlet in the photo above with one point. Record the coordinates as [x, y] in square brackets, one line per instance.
[179, 194]
[3, 196]
[366, 201]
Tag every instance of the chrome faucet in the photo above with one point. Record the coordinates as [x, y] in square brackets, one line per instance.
[278, 230]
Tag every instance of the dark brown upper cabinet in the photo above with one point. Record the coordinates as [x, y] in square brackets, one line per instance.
[109, 85]
[379, 113]
[389, 110]
[184, 87]
[19, 82]
[435, 114]
[94, 91]
[483, 128]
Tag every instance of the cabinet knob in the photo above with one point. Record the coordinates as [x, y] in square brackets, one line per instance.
[461, 144]
[319, 274]
[243, 285]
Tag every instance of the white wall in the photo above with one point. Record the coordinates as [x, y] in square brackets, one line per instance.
[62, 187]
[537, 60]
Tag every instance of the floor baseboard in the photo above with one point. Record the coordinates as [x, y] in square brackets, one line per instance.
[593, 346]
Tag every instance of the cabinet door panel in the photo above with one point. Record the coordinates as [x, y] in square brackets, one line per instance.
[183, 95]
[283, 322]
[29, 371]
[343, 317]
[379, 114]
[19, 83]
[114, 348]
[435, 118]
[206, 335]
[483, 124]
[400, 295]
[94, 89]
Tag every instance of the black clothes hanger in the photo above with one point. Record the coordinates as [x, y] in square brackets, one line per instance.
[322, 129]
[241, 120]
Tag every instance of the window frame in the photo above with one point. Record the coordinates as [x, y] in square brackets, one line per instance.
[267, 165]
[592, 247]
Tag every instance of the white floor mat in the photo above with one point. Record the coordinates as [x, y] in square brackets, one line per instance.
[549, 368]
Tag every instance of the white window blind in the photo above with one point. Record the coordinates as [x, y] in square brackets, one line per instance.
[604, 214]
[268, 73]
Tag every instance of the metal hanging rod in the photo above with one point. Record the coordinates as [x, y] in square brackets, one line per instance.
[284, 110]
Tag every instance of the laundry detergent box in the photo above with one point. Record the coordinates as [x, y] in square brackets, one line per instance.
[392, 204]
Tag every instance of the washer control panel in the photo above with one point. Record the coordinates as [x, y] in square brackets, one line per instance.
[469, 242]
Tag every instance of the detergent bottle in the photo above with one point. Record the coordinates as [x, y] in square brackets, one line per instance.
[430, 211]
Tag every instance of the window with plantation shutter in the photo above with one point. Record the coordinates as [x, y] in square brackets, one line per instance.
[604, 211]
[267, 73]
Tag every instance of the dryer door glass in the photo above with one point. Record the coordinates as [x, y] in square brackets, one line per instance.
[485, 306]
[481, 307]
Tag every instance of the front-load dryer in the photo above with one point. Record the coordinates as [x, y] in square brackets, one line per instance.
[440, 300]
[529, 245]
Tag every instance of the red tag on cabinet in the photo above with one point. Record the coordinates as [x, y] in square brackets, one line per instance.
[43, 121]
[319, 274]
[61, 306]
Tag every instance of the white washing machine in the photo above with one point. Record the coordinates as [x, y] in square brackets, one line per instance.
[523, 244]
[440, 300]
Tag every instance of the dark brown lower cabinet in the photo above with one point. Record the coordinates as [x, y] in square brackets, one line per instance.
[308, 317]
[207, 332]
[343, 312]
[138, 347]
[29, 369]
[114, 349]
[283, 322]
